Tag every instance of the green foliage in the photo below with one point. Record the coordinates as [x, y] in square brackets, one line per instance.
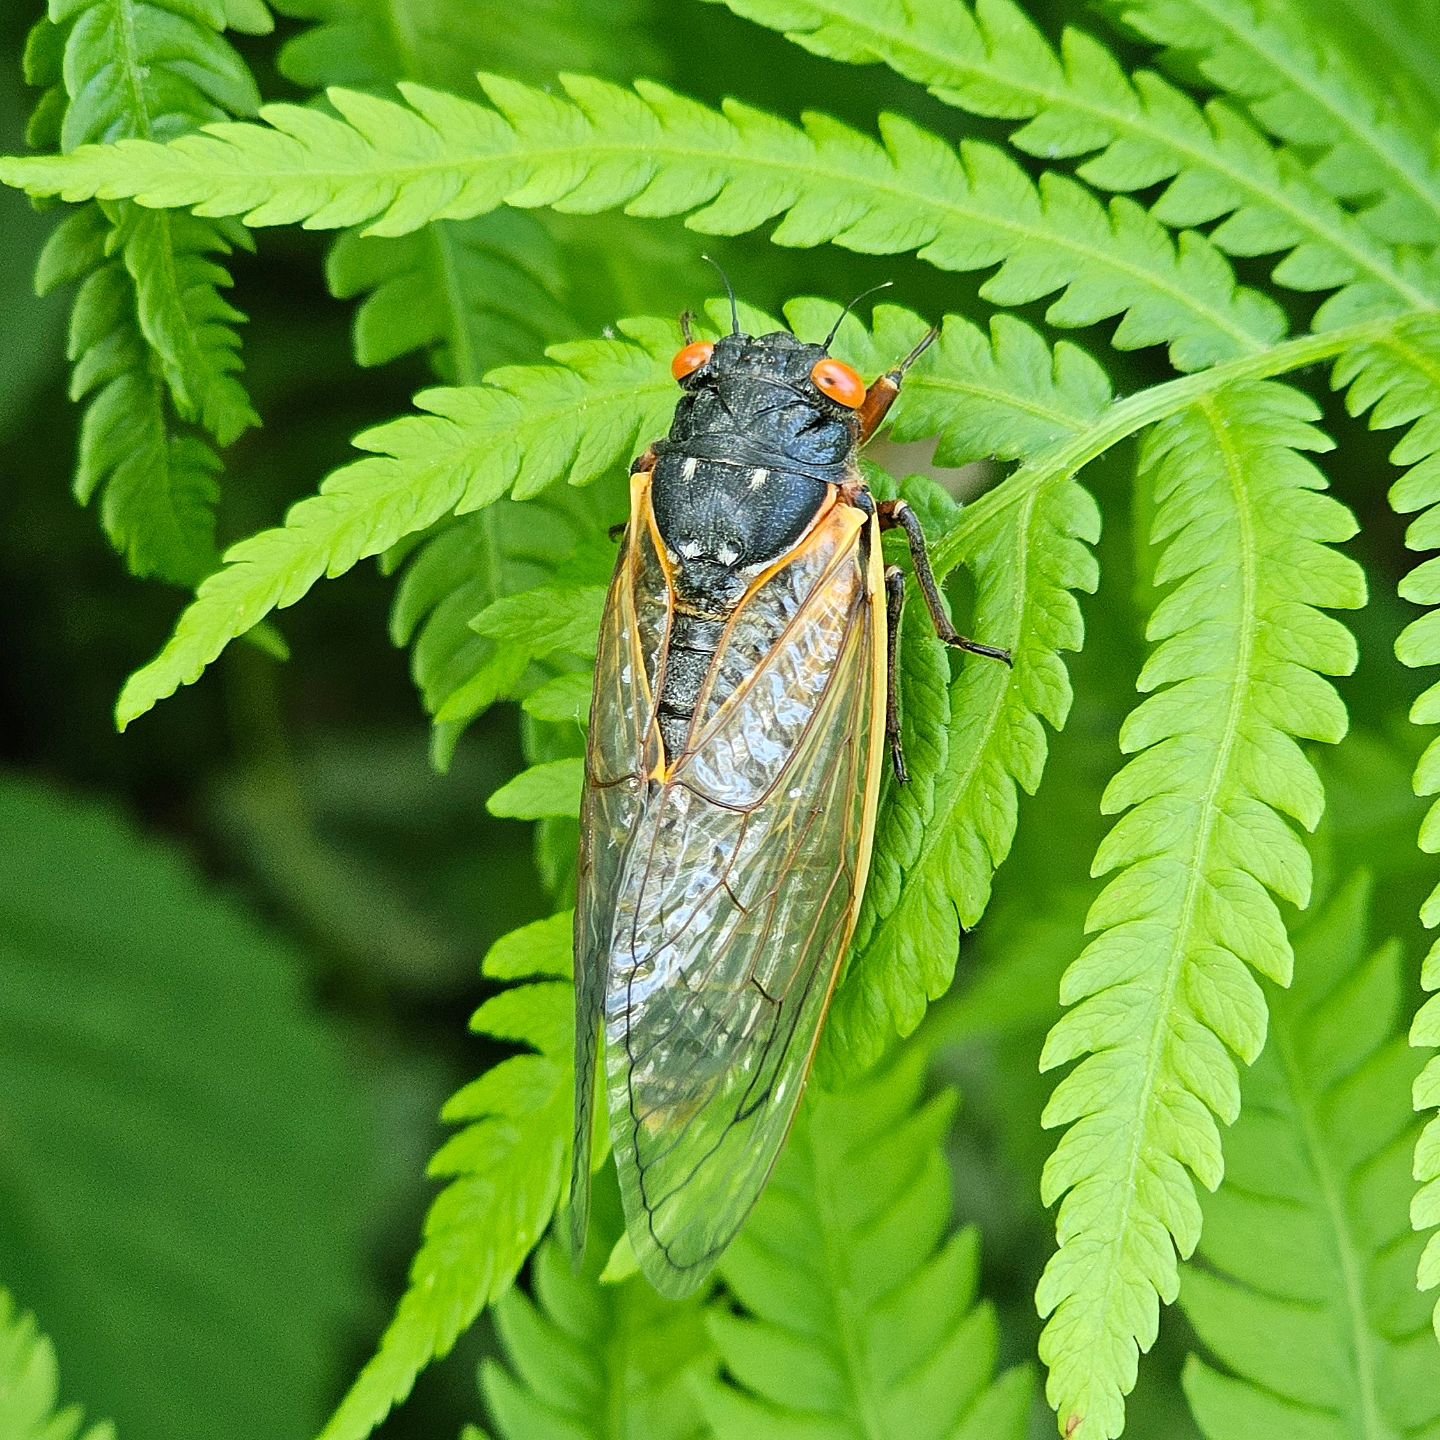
[153, 1046]
[582, 1350]
[500, 556]
[1111, 195]
[1401, 42]
[474, 294]
[1303, 1289]
[504, 1171]
[520, 432]
[1161, 999]
[152, 336]
[859, 1310]
[1026, 564]
[1304, 92]
[657, 153]
[543, 792]
[1398, 381]
[442, 42]
[29, 1384]
[1133, 132]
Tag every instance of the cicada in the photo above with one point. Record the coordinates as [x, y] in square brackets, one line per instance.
[745, 692]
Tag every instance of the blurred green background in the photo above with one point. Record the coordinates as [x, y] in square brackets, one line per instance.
[239, 944]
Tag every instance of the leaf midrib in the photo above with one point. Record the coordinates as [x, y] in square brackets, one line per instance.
[1198, 870]
[849, 1326]
[1124, 418]
[191, 366]
[1333, 1205]
[128, 48]
[950, 214]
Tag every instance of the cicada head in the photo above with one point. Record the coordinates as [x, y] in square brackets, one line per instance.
[791, 398]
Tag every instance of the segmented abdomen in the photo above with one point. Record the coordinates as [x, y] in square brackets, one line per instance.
[694, 640]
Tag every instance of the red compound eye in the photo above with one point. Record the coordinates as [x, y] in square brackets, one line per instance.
[691, 358]
[837, 380]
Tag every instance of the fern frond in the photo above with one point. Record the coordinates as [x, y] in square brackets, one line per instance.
[186, 321]
[860, 1315]
[1162, 999]
[366, 42]
[30, 1386]
[507, 550]
[522, 431]
[154, 69]
[157, 488]
[504, 1172]
[1136, 130]
[151, 329]
[395, 167]
[582, 1349]
[584, 415]
[472, 294]
[1027, 562]
[1302, 1289]
[1394, 39]
[1304, 91]
[1397, 379]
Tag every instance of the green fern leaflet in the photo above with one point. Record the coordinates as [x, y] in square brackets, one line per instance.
[1302, 1289]
[29, 1385]
[870, 1326]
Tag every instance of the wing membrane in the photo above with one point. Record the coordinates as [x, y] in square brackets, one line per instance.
[632, 640]
[728, 886]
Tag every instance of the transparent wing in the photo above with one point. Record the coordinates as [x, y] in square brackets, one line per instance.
[735, 901]
[632, 640]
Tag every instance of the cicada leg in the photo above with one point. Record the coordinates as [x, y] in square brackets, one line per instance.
[896, 513]
[894, 610]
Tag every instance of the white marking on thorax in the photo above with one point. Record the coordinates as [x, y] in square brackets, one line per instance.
[687, 470]
[690, 548]
[727, 554]
[758, 477]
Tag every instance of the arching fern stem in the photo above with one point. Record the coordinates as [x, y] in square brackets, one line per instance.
[1129, 416]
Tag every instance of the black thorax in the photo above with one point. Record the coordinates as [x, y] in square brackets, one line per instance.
[747, 466]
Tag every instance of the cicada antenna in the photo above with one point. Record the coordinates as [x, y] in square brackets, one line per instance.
[840, 319]
[926, 341]
[730, 291]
